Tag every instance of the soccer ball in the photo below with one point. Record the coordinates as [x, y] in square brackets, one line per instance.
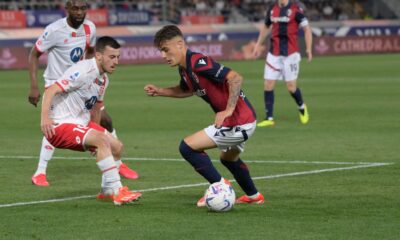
[220, 197]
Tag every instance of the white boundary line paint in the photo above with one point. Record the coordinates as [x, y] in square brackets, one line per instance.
[203, 184]
[181, 160]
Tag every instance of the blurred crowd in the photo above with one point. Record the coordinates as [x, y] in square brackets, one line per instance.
[231, 10]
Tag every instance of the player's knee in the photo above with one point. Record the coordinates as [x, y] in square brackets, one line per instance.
[102, 141]
[118, 148]
[185, 149]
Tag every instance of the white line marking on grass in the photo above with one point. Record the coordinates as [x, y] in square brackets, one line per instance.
[182, 160]
[202, 184]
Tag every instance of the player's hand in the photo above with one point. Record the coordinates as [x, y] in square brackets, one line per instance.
[220, 117]
[47, 127]
[93, 152]
[34, 96]
[151, 90]
[309, 55]
[257, 51]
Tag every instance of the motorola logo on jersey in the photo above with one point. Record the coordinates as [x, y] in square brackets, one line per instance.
[90, 102]
[76, 54]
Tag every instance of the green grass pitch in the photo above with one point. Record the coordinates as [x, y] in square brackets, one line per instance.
[335, 178]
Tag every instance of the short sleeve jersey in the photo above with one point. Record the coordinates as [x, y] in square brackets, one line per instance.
[82, 86]
[285, 22]
[207, 79]
[65, 46]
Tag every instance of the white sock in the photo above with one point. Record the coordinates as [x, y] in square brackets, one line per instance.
[254, 196]
[302, 106]
[118, 163]
[114, 133]
[46, 153]
[110, 178]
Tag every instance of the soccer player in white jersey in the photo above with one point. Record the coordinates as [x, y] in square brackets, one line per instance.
[66, 117]
[66, 41]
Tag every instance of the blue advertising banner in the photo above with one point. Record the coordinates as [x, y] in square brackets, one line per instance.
[128, 17]
[41, 18]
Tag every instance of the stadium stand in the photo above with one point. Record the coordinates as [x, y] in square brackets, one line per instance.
[231, 10]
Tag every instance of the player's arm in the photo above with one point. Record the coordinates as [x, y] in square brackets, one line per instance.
[234, 80]
[264, 31]
[46, 124]
[308, 40]
[89, 53]
[34, 93]
[176, 92]
[95, 113]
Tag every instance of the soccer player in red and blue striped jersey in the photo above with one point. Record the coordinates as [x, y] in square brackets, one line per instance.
[235, 119]
[283, 21]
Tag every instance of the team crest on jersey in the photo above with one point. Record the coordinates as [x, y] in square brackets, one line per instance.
[76, 54]
[289, 12]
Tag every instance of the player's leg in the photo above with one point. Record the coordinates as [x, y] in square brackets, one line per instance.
[111, 186]
[106, 122]
[46, 153]
[192, 150]
[117, 148]
[231, 160]
[272, 72]
[291, 72]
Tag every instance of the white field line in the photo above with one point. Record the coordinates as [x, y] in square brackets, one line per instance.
[202, 184]
[181, 160]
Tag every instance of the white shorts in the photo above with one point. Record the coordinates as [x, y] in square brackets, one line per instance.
[282, 67]
[228, 138]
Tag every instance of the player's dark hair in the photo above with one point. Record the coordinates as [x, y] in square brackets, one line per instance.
[69, 2]
[166, 33]
[105, 41]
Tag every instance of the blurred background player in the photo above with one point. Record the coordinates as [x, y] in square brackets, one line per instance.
[235, 119]
[283, 59]
[65, 116]
[67, 41]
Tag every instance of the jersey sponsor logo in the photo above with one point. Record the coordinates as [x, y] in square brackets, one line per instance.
[280, 19]
[76, 54]
[90, 102]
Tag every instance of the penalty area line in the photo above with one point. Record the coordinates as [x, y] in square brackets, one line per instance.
[200, 184]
